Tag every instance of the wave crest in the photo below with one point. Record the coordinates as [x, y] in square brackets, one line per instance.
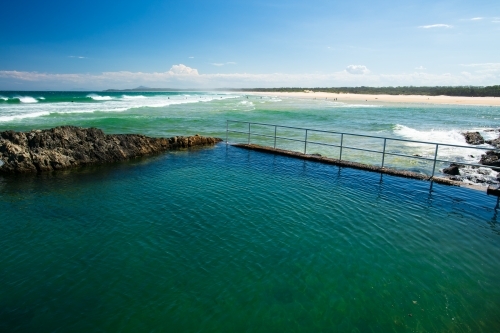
[453, 136]
[133, 97]
[96, 97]
[26, 99]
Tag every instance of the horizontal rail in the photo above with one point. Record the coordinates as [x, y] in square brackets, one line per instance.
[434, 159]
[363, 135]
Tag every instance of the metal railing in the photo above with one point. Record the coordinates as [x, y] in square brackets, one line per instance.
[341, 146]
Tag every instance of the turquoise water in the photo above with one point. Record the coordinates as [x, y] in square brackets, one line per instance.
[223, 239]
[188, 113]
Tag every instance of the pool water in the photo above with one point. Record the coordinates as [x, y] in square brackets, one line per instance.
[223, 239]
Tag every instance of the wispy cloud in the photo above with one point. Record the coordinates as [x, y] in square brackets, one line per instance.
[476, 19]
[220, 64]
[78, 57]
[420, 68]
[191, 57]
[440, 25]
[485, 68]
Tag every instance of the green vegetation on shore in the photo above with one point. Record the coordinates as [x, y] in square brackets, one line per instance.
[489, 91]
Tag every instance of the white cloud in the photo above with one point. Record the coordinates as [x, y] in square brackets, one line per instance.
[78, 57]
[495, 21]
[420, 68]
[191, 57]
[181, 76]
[357, 69]
[476, 18]
[182, 70]
[231, 63]
[436, 26]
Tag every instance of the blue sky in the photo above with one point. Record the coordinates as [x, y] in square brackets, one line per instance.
[273, 43]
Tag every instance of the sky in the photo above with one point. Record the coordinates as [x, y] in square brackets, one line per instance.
[93, 45]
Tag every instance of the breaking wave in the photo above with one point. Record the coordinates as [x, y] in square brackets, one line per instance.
[26, 99]
[96, 97]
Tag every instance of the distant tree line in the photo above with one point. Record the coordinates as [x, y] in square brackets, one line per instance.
[471, 91]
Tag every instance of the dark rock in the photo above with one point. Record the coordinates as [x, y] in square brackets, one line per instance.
[493, 190]
[473, 138]
[452, 170]
[490, 158]
[477, 179]
[69, 146]
[495, 142]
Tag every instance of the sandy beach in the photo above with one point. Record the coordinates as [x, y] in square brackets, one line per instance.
[361, 98]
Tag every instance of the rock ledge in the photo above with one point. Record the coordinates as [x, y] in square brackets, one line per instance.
[70, 146]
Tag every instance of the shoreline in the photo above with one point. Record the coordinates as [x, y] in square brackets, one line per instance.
[378, 99]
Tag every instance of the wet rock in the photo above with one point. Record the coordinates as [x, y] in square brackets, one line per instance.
[477, 179]
[69, 146]
[484, 171]
[452, 170]
[495, 142]
[490, 158]
[473, 138]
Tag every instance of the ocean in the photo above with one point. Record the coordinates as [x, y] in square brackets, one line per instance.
[223, 239]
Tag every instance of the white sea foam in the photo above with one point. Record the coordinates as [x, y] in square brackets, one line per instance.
[23, 116]
[96, 97]
[42, 98]
[449, 136]
[347, 105]
[26, 99]
[4, 98]
[453, 137]
[33, 110]
[478, 176]
[133, 96]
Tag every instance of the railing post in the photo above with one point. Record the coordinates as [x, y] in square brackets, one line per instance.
[435, 157]
[227, 129]
[341, 142]
[383, 153]
[305, 144]
[248, 133]
[275, 136]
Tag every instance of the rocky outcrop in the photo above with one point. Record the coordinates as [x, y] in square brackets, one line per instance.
[452, 170]
[490, 158]
[473, 138]
[69, 146]
[495, 142]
